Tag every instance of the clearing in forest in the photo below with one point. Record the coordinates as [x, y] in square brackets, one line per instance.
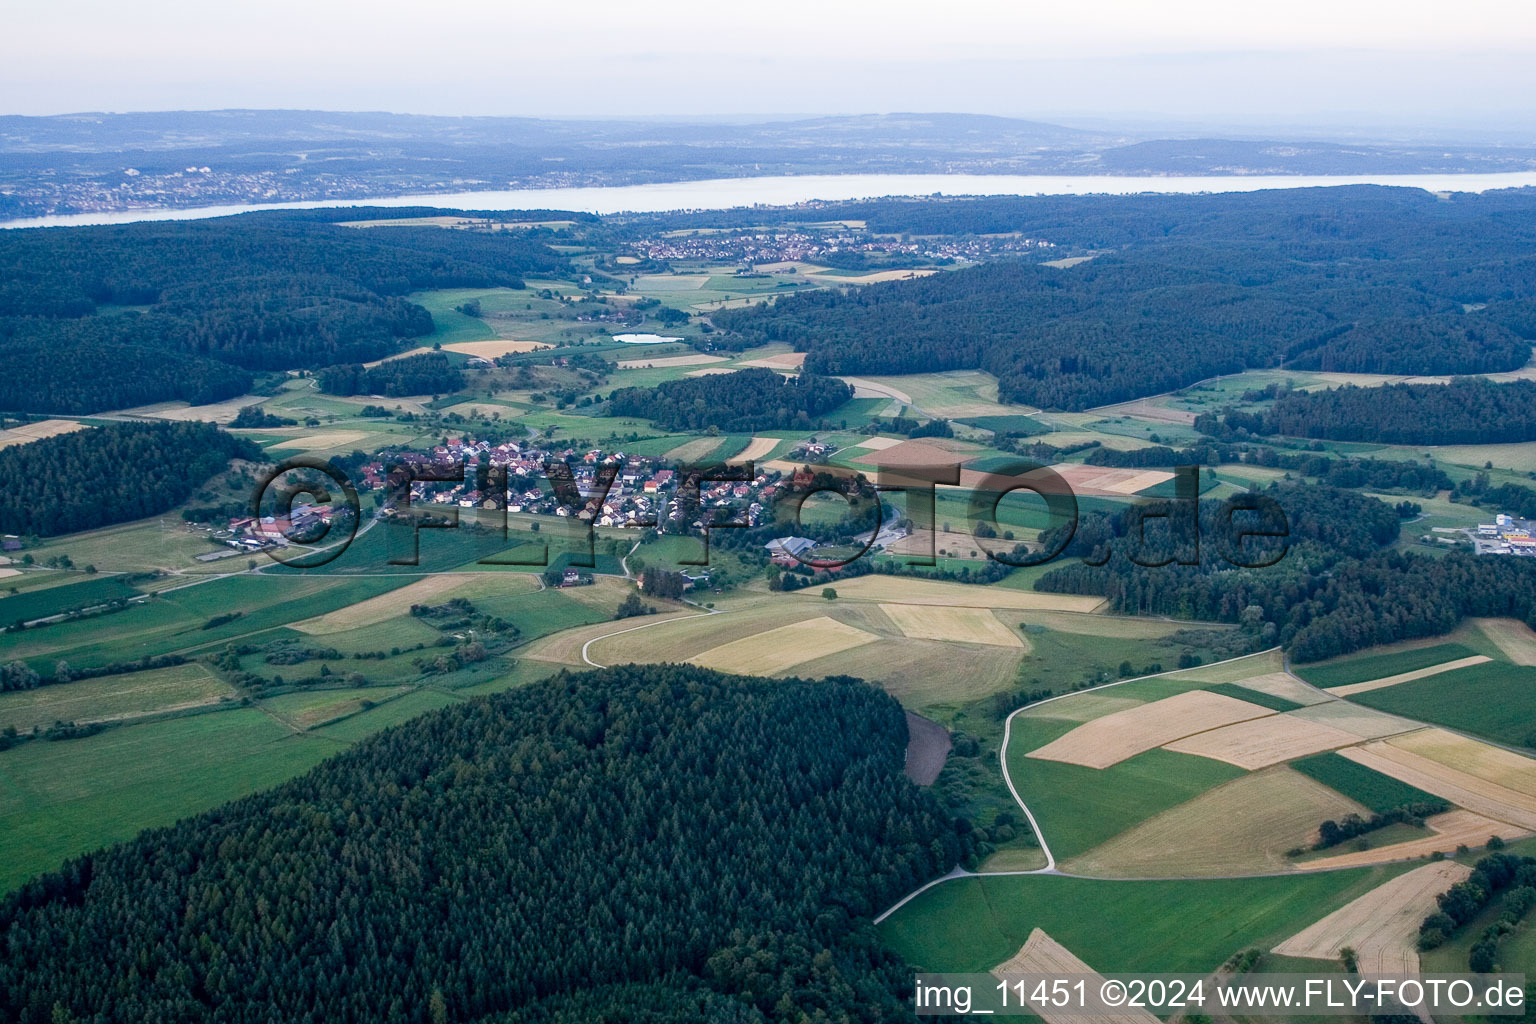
[1244, 826]
[1382, 927]
[1261, 742]
[1408, 677]
[1124, 734]
[778, 649]
[962, 625]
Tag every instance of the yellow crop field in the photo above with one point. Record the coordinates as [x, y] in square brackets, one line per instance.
[962, 625]
[779, 649]
[759, 447]
[697, 359]
[1114, 738]
[386, 606]
[1512, 637]
[1483, 760]
[1382, 927]
[1261, 742]
[1408, 677]
[1043, 955]
[321, 440]
[1245, 826]
[921, 673]
[492, 349]
[906, 590]
[1451, 830]
[29, 432]
[1480, 796]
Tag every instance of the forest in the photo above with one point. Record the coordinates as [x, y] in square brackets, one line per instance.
[427, 374]
[709, 847]
[1468, 410]
[272, 291]
[754, 399]
[110, 474]
[1181, 289]
[1338, 587]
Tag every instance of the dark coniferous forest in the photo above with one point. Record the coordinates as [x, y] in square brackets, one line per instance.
[755, 399]
[663, 839]
[110, 474]
[164, 311]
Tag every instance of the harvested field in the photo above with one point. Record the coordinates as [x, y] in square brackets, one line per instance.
[1511, 636]
[1452, 829]
[1382, 927]
[963, 625]
[1352, 718]
[709, 371]
[492, 349]
[321, 441]
[921, 673]
[1262, 742]
[1480, 796]
[29, 432]
[564, 647]
[696, 359]
[927, 544]
[1043, 955]
[895, 590]
[1084, 707]
[759, 447]
[1285, 686]
[928, 746]
[878, 277]
[1114, 738]
[879, 444]
[691, 452]
[1483, 760]
[7, 573]
[782, 361]
[903, 454]
[1243, 827]
[1097, 480]
[1408, 677]
[779, 649]
[670, 283]
[385, 606]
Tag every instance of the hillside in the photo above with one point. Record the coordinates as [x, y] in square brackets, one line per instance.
[718, 838]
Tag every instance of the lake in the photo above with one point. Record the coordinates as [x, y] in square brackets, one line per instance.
[723, 193]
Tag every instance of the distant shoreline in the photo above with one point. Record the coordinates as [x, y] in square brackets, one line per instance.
[787, 190]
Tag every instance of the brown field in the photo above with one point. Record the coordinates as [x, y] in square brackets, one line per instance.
[1243, 827]
[492, 349]
[1365, 723]
[483, 410]
[921, 673]
[1382, 927]
[776, 650]
[1043, 955]
[385, 606]
[29, 432]
[928, 746]
[909, 453]
[7, 573]
[1480, 796]
[1511, 636]
[759, 447]
[1286, 686]
[1408, 677]
[782, 361]
[1262, 742]
[687, 635]
[962, 625]
[322, 440]
[877, 277]
[1452, 829]
[696, 359]
[418, 350]
[1096, 480]
[1114, 738]
[216, 412]
[1084, 707]
[878, 444]
[896, 590]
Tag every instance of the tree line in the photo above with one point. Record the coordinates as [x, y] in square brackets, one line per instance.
[549, 852]
[1467, 410]
[429, 373]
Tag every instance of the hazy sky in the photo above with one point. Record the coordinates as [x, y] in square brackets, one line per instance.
[1301, 61]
